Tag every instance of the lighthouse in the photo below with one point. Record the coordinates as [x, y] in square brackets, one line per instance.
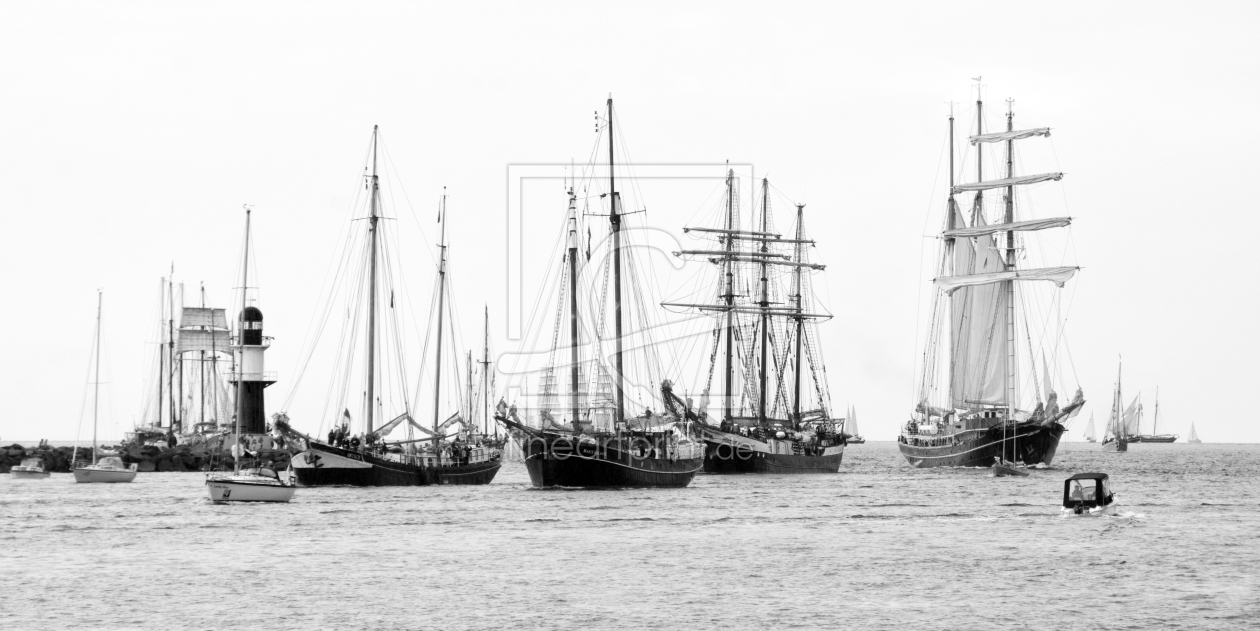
[251, 376]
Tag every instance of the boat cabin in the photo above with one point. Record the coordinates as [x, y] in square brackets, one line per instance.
[31, 464]
[1085, 491]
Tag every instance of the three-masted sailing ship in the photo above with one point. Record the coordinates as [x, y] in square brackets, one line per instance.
[449, 452]
[598, 444]
[968, 409]
[773, 420]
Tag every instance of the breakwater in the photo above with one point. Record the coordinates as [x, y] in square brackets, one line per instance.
[147, 458]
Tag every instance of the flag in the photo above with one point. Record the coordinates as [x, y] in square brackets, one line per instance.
[345, 418]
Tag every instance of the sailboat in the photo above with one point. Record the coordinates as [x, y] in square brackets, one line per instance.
[1089, 430]
[968, 408]
[1116, 436]
[467, 458]
[1155, 436]
[769, 423]
[253, 484]
[109, 468]
[851, 428]
[1194, 436]
[599, 446]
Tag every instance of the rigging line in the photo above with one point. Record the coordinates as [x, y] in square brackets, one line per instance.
[927, 216]
[389, 162]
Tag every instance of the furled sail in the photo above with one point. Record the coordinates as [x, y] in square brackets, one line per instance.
[1018, 180]
[978, 325]
[1003, 136]
[203, 317]
[210, 341]
[1058, 275]
[1031, 224]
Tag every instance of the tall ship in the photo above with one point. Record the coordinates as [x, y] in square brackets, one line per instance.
[600, 420]
[775, 404]
[988, 318]
[1155, 436]
[372, 356]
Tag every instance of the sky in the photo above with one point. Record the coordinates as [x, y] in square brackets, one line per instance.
[132, 135]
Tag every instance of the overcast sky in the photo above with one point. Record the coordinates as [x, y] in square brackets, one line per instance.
[131, 134]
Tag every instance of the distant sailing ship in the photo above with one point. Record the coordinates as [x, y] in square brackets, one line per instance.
[1155, 436]
[1194, 436]
[443, 455]
[597, 445]
[110, 468]
[1089, 430]
[851, 428]
[773, 420]
[974, 419]
[1123, 422]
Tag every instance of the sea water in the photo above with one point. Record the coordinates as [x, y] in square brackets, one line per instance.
[879, 546]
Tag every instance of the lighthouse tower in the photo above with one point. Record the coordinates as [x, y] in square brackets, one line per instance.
[251, 376]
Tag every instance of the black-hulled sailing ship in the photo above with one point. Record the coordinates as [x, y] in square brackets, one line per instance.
[1154, 436]
[452, 451]
[764, 336]
[968, 411]
[581, 435]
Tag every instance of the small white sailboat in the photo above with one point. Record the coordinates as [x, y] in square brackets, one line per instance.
[252, 484]
[1194, 436]
[30, 469]
[851, 428]
[109, 469]
[1089, 430]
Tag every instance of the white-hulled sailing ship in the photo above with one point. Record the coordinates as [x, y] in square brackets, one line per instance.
[110, 468]
[968, 411]
[582, 435]
[774, 419]
[453, 450]
[851, 428]
[1122, 425]
[1090, 435]
[248, 481]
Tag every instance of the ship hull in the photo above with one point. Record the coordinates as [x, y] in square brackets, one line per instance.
[1030, 444]
[325, 465]
[555, 463]
[1161, 438]
[725, 452]
[1115, 445]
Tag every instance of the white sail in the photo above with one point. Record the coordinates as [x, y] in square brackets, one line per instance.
[1018, 134]
[210, 341]
[203, 316]
[978, 324]
[1131, 415]
[1057, 275]
[1031, 224]
[1019, 180]
[1194, 436]
[1089, 429]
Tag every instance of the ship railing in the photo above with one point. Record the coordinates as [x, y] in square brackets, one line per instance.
[269, 375]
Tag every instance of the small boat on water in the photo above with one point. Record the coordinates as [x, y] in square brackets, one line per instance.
[110, 469]
[1194, 436]
[30, 469]
[1088, 494]
[1089, 430]
[851, 428]
[252, 484]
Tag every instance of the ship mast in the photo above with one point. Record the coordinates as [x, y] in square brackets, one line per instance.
[573, 310]
[730, 291]
[96, 383]
[800, 311]
[1009, 218]
[437, 378]
[765, 299]
[373, 218]
[615, 219]
[485, 378]
[240, 374]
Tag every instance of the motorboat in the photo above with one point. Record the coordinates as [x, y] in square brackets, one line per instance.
[249, 485]
[1088, 494]
[30, 469]
[107, 469]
